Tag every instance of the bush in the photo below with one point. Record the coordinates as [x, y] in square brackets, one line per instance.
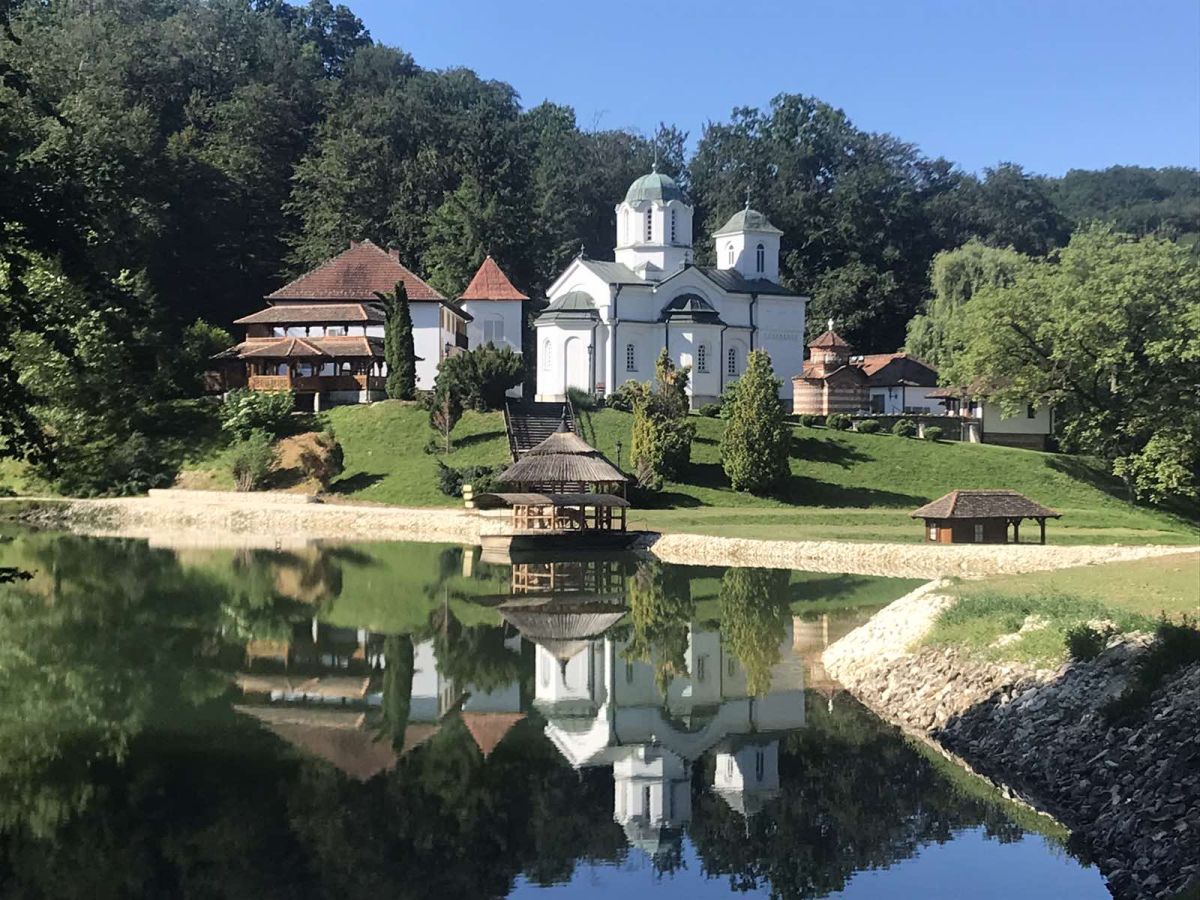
[933, 433]
[244, 412]
[582, 401]
[1085, 642]
[252, 460]
[867, 426]
[808, 420]
[324, 460]
[109, 465]
[1175, 646]
[481, 377]
[904, 428]
[710, 410]
[450, 481]
[627, 396]
[838, 421]
[757, 440]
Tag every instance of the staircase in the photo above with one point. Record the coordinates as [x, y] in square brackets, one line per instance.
[529, 423]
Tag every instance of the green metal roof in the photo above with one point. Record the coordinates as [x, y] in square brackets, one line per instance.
[747, 220]
[572, 305]
[611, 272]
[655, 186]
[690, 308]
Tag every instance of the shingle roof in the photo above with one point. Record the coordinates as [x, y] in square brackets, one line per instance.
[310, 348]
[307, 313]
[490, 283]
[356, 274]
[747, 220]
[828, 340]
[984, 504]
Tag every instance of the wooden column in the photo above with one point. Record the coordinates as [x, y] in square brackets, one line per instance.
[1042, 524]
[1017, 531]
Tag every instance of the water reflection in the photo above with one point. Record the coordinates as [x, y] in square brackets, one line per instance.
[409, 719]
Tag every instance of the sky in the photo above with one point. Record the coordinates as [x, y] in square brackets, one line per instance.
[1049, 84]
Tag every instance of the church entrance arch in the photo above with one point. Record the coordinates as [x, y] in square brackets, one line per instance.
[575, 364]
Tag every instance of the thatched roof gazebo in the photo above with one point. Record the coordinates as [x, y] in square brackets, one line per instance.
[981, 517]
[562, 485]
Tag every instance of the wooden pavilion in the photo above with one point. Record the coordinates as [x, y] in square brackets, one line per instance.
[981, 517]
[562, 485]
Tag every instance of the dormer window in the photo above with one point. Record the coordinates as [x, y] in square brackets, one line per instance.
[729, 254]
[760, 258]
[649, 226]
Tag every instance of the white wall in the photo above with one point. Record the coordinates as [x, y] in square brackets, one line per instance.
[995, 422]
[504, 314]
[633, 249]
[781, 333]
[745, 253]
[896, 398]
[428, 342]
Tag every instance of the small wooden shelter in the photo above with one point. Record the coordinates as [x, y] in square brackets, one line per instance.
[562, 485]
[981, 517]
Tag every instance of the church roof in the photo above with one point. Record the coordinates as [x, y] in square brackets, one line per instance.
[654, 186]
[307, 313]
[690, 308]
[747, 220]
[828, 340]
[611, 272]
[572, 305]
[490, 283]
[356, 274]
[731, 281]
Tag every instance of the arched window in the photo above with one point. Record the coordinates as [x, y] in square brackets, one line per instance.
[760, 258]
[630, 358]
[649, 225]
[729, 254]
[672, 226]
[731, 361]
[702, 358]
[546, 356]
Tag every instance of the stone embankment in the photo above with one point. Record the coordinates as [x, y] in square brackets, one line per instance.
[1130, 790]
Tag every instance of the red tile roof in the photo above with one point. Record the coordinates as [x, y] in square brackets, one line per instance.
[829, 339]
[490, 283]
[489, 729]
[300, 313]
[310, 348]
[356, 274]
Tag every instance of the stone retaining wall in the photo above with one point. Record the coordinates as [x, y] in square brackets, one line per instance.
[1130, 792]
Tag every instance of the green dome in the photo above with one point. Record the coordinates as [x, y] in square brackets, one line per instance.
[655, 186]
[747, 220]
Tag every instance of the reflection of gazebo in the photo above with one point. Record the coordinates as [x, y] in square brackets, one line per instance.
[563, 484]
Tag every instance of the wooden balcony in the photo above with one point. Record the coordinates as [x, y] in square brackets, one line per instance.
[316, 383]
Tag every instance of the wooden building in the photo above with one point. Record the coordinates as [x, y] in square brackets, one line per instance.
[981, 517]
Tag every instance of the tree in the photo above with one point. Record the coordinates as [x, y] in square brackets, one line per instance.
[1011, 208]
[482, 377]
[398, 350]
[757, 440]
[661, 443]
[1107, 331]
[445, 409]
[955, 277]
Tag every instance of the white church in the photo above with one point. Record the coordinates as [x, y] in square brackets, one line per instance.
[607, 321]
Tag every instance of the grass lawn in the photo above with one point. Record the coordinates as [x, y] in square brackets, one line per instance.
[1133, 595]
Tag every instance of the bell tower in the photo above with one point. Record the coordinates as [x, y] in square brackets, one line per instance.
[654, 227]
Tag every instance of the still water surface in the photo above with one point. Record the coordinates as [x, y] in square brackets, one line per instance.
[410, 720]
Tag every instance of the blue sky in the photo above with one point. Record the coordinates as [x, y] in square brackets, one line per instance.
[1050, 84]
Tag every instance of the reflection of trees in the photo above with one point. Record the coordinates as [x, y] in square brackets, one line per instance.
[854, 796]
[754, 617]
[473, 655]
[398, 659]
[661, 609]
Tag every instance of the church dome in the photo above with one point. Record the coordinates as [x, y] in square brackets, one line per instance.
[747, 220]
[654, 186]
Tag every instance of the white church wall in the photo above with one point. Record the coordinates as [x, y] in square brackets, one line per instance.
[740, 251]
[781, 334]
[427, 342]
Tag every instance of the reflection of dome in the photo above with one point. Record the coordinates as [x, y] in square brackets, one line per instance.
[748, 803]
[654, 840]
[654, 186]
[563, 626]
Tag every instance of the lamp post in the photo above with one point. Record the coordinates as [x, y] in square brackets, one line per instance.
[618, 454]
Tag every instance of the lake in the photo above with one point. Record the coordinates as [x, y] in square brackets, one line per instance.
[416, 720]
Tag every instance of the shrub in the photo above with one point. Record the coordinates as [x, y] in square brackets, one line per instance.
[246, 411]
[904, 428]
[661, 443]
[838, 421]
[110, 465]
[867, 426]
[582, 401]
[323, 460]
[757, 439]
[808, 420]
[626, 397]
[450, 481]
[933, 433]
[1085, 642]
[1174, 646]
[482, 376]
[252, 460]
[710, 410]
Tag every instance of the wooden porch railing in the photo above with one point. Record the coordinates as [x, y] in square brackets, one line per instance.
[318, 383]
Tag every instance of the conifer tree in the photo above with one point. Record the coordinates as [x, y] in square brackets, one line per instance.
[398, 350]
[755, 446]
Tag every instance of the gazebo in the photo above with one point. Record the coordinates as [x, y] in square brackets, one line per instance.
[562, 485]
[981, 517]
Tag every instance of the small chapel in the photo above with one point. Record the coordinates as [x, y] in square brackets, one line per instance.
[607, 320]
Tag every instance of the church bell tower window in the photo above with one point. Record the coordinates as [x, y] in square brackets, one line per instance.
[649, 226]
[729, 255]
[760, 258]
[672, 226]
